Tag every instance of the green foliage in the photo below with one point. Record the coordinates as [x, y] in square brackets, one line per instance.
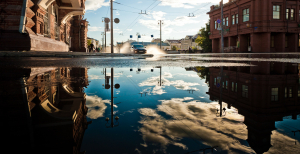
[203, 72]
[89, 42]
[174, 48]
[204, 42]
[194, 48]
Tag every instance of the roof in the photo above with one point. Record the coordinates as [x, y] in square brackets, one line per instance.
[174, 41]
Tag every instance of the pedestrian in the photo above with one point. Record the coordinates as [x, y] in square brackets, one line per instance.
[92, 47]
[190, 50]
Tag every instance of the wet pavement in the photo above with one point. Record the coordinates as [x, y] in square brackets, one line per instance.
[238, 103]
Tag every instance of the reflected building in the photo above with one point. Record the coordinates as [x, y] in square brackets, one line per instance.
[263, 94]
[44, 109]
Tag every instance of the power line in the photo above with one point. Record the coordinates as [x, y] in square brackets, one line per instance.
[126, 5]
[137, 18]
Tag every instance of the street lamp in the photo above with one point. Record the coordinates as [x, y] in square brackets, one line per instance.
[107, 86]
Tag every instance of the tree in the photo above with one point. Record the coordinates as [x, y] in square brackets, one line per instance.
[174, 48]
[203, 40]
[89, 42]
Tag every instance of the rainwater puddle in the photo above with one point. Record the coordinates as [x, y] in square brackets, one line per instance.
[167, 105]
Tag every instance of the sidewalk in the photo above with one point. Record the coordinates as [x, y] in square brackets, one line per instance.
[67, 54]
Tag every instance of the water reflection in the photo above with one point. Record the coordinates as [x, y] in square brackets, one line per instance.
[263, 95]
[44, 109]
[157, 109]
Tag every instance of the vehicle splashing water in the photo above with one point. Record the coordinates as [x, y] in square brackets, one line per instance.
[153, 49]
[126, 48]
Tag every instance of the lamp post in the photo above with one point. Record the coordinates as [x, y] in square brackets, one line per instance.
[222, 50]
[159, 74]
[107, 86]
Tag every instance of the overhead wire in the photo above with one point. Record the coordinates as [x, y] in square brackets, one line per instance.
[125, 5]
[126, 29]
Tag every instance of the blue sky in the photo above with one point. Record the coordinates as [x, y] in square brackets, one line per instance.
[174, 13]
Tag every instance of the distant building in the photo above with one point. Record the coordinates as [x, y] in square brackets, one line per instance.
[176, 43]
[43, 25]
[256, 26]
[189, 41]
[157, 40]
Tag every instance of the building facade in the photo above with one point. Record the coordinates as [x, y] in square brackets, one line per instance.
[256, 26]
[43, 25]
[263, 94]
[176, 43]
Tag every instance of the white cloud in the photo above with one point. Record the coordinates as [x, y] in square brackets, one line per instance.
[96, 106]
[94, 29]
[167, 24]
[187, 3]
[197, 120]
[95, 77]
[159, 90]
[95, 4]
[117, 13]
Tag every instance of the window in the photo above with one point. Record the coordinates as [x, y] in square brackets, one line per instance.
[245, 91]
[215, 24]
[299, 40]
[287, 14]
[272, 41]
[232, 86]
[299, 91]
[292, 14]
[226, 21]
[226, 84]
[276, 11]
[288, 92]
[274, 94]
[236, 86]
[233, 19]
[237, 18]
[215, 83]
[246, 15]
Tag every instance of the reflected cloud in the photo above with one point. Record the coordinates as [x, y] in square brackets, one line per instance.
[193, 120]
[95, 77]
[96, 106]
[158, 90]
[198, 120]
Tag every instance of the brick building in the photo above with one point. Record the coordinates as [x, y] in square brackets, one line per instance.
[43, 25]
[46, 111]
[257, 26]
[263, 94]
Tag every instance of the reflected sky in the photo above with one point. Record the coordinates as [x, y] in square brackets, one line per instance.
[155, 109]
[176, 117]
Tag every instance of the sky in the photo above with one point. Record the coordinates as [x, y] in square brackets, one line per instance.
[174, 13]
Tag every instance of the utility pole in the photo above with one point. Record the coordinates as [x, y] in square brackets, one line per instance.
[160, 23]
[112, 95]
[112, 26]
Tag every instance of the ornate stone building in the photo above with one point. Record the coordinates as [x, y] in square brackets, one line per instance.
[43, 25]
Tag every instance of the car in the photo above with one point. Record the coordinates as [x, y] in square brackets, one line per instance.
[138, 48]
